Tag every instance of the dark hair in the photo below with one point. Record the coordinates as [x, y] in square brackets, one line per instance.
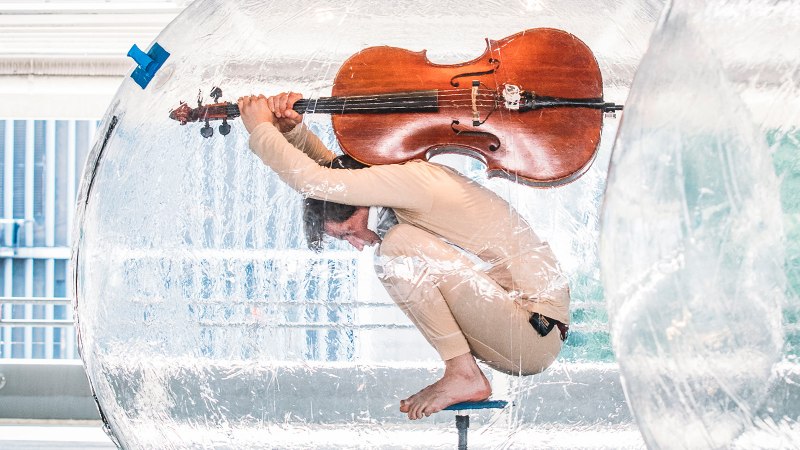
[317, 212]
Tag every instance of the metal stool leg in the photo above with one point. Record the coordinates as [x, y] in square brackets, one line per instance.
[462, 421]
[462, 425]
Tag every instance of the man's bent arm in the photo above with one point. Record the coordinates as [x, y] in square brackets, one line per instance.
[302, 138]
[385, 185]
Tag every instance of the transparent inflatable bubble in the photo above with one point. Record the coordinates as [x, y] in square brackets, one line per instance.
[204, 320]
[693, 248]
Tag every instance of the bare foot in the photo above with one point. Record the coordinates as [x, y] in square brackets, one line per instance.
[463, 381]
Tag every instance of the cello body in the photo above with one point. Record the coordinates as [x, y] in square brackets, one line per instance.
[540, 147]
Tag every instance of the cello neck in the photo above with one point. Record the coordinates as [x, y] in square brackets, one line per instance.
[418, 101]
[398, 102]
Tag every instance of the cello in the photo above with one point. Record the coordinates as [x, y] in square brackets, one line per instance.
[530, 107]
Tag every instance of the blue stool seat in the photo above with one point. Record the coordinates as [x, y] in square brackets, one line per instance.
[486, 404]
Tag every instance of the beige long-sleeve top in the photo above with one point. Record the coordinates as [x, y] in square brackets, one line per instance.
[435, 198]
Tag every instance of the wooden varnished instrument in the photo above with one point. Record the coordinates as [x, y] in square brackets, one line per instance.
[531, 107]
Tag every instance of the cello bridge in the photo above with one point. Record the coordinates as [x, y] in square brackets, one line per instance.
[476, 116]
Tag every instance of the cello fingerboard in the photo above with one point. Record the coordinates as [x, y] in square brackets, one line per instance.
[398, 102]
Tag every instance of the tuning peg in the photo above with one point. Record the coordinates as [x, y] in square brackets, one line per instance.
[224, 128]
[216, 93]
[206, 131]
[199, 98]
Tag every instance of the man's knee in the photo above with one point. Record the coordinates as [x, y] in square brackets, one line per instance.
[400, 240]
[401, 255]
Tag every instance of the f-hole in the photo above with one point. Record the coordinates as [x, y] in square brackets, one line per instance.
[492, 61]
[464, 131]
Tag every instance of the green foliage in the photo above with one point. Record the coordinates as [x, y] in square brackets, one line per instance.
[589, 340]
[785, 146]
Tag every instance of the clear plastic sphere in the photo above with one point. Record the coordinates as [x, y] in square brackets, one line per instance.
[203, 319]
[693, 246]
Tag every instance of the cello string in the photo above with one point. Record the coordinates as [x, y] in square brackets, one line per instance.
[389, 105]
[393, 101]
[400, 96]
[390, 100]
[327, 109]
[404, 95]
[384, 100]
[392, 106]
[416, 93]
[399, 99]
[383, 105]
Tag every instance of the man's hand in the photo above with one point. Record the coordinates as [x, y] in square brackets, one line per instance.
[255, 111]
[276, 110]
[281, 106]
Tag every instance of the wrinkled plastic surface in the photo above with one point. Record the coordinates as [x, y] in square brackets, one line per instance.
[694, 254]
[203, 319]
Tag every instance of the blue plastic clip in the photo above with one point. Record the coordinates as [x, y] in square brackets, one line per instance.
[148, 63]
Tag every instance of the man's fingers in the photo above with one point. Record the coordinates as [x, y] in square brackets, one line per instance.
[292, 114]
[279, 108]
[293, 97]
[271, 104]
[281, 103]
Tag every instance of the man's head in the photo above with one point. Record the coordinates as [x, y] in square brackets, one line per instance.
[345, 222]
[353, 230]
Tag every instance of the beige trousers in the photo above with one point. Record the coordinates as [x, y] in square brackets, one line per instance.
[457, 308]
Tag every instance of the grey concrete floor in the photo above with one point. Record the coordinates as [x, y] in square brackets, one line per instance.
[79, 435]
[72, 435]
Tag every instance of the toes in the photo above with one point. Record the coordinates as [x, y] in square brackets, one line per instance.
[414, 414]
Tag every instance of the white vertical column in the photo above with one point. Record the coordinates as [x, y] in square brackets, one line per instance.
[29, 186]
[28, 339]
[68, 350]
[8, 183]
[8, 235]
[68, 346]
[70, 181]
[8, 289]
[49, 229]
